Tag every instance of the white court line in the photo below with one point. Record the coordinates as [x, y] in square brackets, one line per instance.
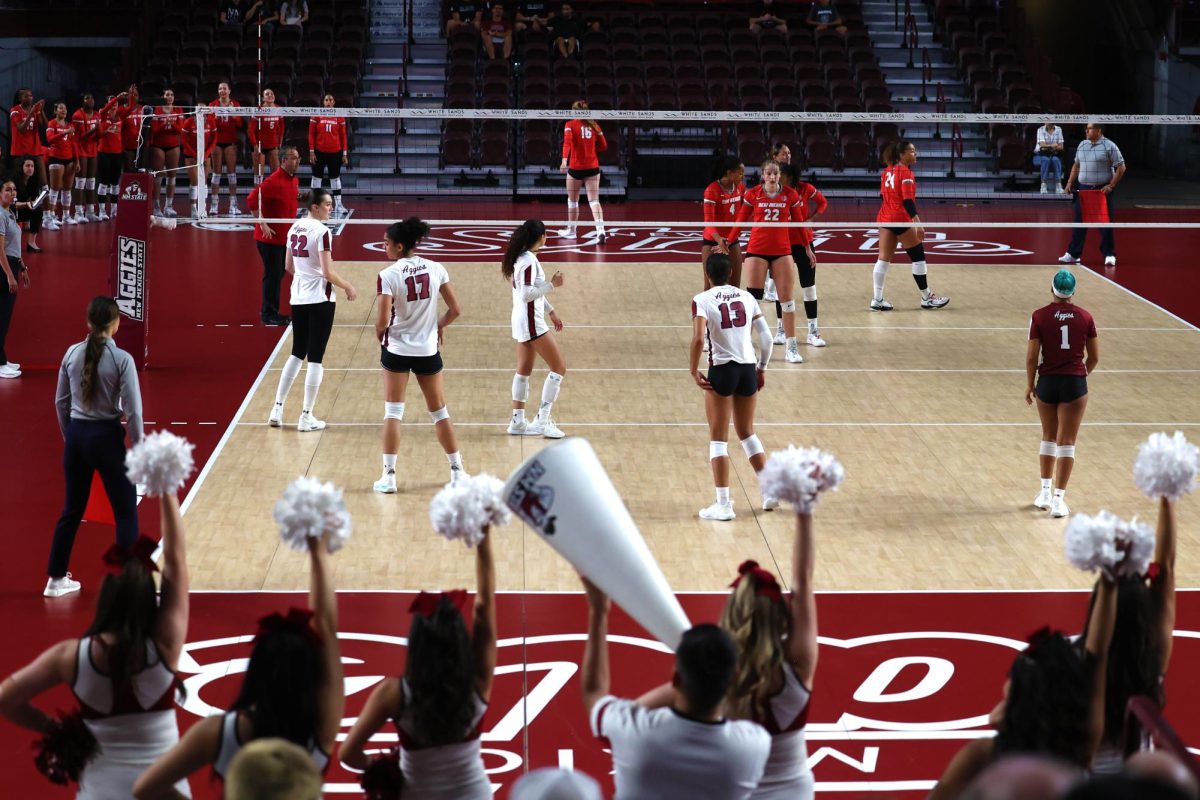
[918, 328]
[774, 372]
[1151, 303]
[683, 592]
[761, 424]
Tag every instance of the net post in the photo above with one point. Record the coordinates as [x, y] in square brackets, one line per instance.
[201, 183]
[258, 156]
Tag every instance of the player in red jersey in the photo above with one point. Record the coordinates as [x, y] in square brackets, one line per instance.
[194, 166]
[803, 253]
[1061, 333]
[265, 135]
[60, 136]
[722, 199]
[166, 124]
[781, 154]
[328, 151]
[131, 130]
[87, 140]
[24, 120]
[770, 249]
[898, 190]
[225, 153]
[108, 154]
[582, 139]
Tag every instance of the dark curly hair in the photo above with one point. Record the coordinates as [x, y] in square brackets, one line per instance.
[280, 691]
[441, 676]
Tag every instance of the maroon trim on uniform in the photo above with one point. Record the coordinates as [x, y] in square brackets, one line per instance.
[529, 315]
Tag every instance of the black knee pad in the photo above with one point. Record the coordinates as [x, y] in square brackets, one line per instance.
[757, 294]
[916, 253]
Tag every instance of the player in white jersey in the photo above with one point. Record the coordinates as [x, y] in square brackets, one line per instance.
[309, 257]
[534, 337]
[722, 318]
[410, 332]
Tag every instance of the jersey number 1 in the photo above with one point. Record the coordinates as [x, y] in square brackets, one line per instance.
[1066, 344]
[733, 316]
[418, 287]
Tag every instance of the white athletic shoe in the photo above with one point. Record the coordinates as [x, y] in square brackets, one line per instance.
[566, 233]
[68, 219]
[722, 512]
[234, 211]
[770, 293]
[102, 216]
[1058, 189]
[90, 217]
[457, 476]
[51, 224]
[1043, 500]
[9, 371]
[386, 483]
[57, 587]
[544, 427]
[1058, 508]
[935, 301]
[517, 427]
[780, 336]
[815, 340]
[1067, 258]
[14, 365]
[170, 211]
[1045, 189]
[276, 418]
[880, 305]
[309, 423]
[770, 503]
[214, 209]
[792, 354]
[1110, 261]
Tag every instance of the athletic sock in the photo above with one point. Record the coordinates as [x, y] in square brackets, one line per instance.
[1047, 483]
[1058, 493]
[813, 327]
[389, 463]
[312, 385]
[723, 495]
[549, 394]
[878, 277]
[455, 460]
[518, 415]
[291, 368]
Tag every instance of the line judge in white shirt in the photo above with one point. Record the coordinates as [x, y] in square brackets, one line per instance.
[688, 749]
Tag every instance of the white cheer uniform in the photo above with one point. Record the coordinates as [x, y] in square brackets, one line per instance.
[729, 314]
[445, 772]
[787, 775]
[134, 724]
[231, 745]
[306, 240]
[414, 284]
[659, 753]
[530, 305]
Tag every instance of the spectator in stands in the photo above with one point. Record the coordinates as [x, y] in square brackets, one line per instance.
[1098, 165]
[1047, 155]
[293, 689]
[293, 12]
[822, 16]
[535, 15]
[234, 13]
[766, 19]
[687, 749]
[566, 29]
[464, 12]
[272, 769]
[497, 30]
[269, 9]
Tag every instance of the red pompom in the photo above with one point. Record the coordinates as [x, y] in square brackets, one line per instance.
[65, 749]
[383, 779]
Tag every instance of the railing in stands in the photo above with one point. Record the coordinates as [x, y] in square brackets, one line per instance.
[926, 74]
[910, 37]
[907, 12]
[940, 107]
[402, 81]
[1144, 724]
[956, 147]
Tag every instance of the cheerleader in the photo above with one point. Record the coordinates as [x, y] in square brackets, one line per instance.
[87, 140]
[309, 259]
[582, 139]
[803, 254]
[721, 201]
[265, 135]
[1061, 333]
[131, 129]
[723, 316]
[327, 152]
[898, 190]
[410, 333]
[770, 248]
[108, 154]
[60, 136]
[225, 154]
[534, 337]
[193, 164]
[166, 124]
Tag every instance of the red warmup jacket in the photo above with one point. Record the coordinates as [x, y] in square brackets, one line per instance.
[279, 194]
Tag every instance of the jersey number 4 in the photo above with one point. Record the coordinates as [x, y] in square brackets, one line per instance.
[297, 244]
[418, 287]
[733, 315]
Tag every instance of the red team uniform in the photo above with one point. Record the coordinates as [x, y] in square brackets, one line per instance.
[23, 142]
[87, 133]
[896, 185]
[326, 134]
[803, 237]
[265, 131]
[189, 138]
[111, 130]
[721, 210]
[131, 126]
[61, 138]
[227, 127]
[165, 128]
[758, 207]
[580, 145]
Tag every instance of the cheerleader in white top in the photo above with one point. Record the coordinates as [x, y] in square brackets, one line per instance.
[122, 672]
[439, 704]
[309, 258]
[722, 319]
[531, 309]
[409, 330]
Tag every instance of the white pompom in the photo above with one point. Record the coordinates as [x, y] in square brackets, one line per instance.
[462, 511]
[1166, 466]
[1106, 542]
[1136, 540]
[308, 510]
[161, 461]
[797, 475]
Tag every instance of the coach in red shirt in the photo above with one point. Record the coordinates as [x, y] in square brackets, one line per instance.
[278, 196]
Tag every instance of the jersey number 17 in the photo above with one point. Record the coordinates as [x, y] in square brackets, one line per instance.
[418, 287]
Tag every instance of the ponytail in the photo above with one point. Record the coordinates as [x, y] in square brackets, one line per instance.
[100, 314]
[892, 153]
[408, 234]
[521, 240]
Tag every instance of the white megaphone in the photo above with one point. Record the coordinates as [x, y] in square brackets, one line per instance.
[564, 494]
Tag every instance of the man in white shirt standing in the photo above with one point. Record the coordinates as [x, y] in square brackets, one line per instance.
[687, 749]
[1047, 154]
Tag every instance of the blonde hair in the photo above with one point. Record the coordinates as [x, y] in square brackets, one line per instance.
[272, 769]
[758, 624]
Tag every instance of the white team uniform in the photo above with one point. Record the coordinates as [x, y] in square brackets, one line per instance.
[729, 313]
[306, 240]
[787, 776]
[414, 284]
[529, 298]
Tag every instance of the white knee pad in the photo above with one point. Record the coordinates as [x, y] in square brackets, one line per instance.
[810, 294]
[788, 307]
[81, 183]
[315, 183]
[881, 267]
[393, 411]
[215, 178]
[920, 268]
[595, 206]
[520, 388]
[717, 450]
[572, 204]
[439, 415]
[752, 446]
[1048, 449]
[90, 184]
[335, 184]
[1066, 451]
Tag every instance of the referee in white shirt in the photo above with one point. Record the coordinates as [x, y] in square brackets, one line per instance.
[688, 749]
[1098, 165]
